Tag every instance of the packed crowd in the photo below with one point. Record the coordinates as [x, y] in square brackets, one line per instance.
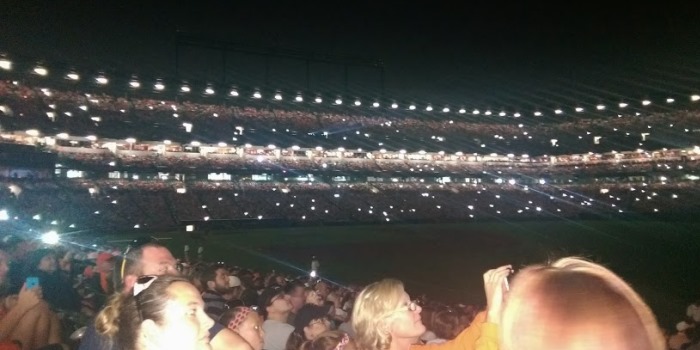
[54, 111]
[118, 205]
[143, 298]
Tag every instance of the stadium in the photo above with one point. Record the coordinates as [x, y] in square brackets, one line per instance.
[372, 183]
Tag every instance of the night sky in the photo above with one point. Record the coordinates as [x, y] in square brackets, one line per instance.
[461, 52]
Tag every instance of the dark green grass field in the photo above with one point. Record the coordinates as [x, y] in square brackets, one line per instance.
[445, 261]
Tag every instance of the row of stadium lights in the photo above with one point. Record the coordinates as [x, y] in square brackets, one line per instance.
[160, 86]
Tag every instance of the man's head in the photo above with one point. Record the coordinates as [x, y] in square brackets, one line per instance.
[216, 279]
[148, 259]
[274, 301]
[295, 292]
[322, 288]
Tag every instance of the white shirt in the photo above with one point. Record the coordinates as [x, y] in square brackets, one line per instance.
[276, 334]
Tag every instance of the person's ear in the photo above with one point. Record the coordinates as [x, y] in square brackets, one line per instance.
[149, 332]
[129, 282]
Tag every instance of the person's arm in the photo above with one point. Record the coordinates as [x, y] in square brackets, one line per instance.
[466, 340]
[27, 299]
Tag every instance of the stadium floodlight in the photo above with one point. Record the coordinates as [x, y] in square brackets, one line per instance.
[358, 103]
[476, 112]
[646, 103]
[538, 113]
[412, 107]
[318, 99]
[502, 114]
[623, 104]
[134, 84]
[4, 216]
[319, 148]
[375, 104]
[102, 80]
[487, 113]
[394, 105]
[62, 135]
[41, 71]
[50, 237]
[278, 96]
[462, 111]
[600, 107]
[91, 137]
[695, 98]
[131, 140]
[338, 101]
[160, 86]
[517, 115]
[670, 100]
[446, 110]
[5, 64]
[209, 90]
[299, 98]
[73, 76]
[558, 111]
[233, 93]
[185, 88]
[429, 108]
[579, 109]
[271, 146]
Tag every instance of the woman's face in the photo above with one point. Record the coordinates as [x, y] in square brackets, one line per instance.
[316, 327]
[405, 321]
[47, 264]
[185, 324]
[251, 330]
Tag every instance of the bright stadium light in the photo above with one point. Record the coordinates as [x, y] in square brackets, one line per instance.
[160, 86]
[185, 88]
[209, 90]
[73, 76]
[375, 104]
[278, 96]
[5, 64]
[623, 104]
[233, 93]
[41, 71]
[517, 115]
[446, 110]
[538, 113]
[600, 107]
[102, 80]
[358, 103]
[558, 111]
[646, 103]
[670, 100]
[318, 99]
[134, 84]
[50, 237]
[412, 107]
[91, 137]
[4, 216]
[394, 105]
[299, 98]
[695, 98]
[476, 112]
[429, 108]
[579, 109]
[338, 101]
[462, 111]
[487, 113]
[62, 136]
[195, 143]
[502, 114]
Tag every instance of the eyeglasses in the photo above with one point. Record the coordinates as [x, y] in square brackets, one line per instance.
[142, 283]
[409, 305]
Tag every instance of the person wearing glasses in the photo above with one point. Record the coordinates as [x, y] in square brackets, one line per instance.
[161, 312]
[152, 259]
[385, 318]
[311, 321]
[247, 323]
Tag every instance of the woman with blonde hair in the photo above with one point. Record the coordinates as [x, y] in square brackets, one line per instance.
[385, 318]
[576, 304]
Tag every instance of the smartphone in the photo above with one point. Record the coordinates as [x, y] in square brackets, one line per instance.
[32, 282]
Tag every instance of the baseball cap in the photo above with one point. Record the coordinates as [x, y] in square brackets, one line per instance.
[233, 281]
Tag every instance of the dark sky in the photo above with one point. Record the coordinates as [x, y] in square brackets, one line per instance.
[468, 52]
